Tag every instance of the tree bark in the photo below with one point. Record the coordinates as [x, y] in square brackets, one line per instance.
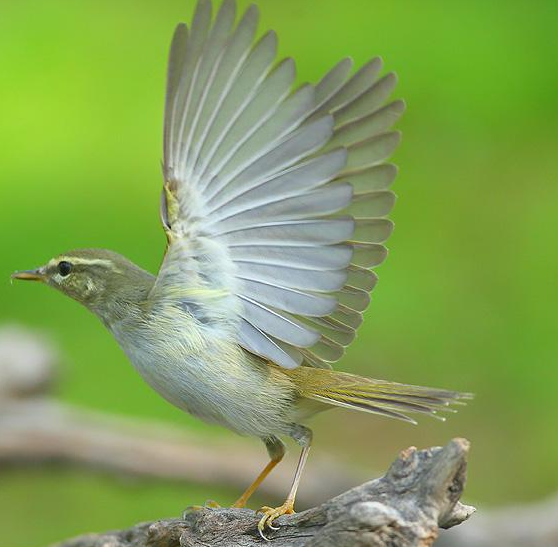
[405, 508]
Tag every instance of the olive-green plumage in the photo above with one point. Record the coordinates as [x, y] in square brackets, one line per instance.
[274, 204]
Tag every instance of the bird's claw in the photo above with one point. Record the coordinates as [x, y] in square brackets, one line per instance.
[209, 504]
[269, 516]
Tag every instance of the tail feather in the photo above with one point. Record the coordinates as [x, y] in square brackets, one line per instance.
[382, 397]
[363, 406]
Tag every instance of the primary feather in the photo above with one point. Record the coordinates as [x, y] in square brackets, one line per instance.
[274, 198]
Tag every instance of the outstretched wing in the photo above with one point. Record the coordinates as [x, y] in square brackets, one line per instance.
[274, 200]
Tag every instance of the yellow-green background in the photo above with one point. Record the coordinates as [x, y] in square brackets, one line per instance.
[467, 298]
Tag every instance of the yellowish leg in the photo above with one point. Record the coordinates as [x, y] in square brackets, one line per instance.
[276, 451]
[241, 501]
[270, 513]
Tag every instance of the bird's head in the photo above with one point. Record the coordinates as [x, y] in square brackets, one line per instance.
[99, 279]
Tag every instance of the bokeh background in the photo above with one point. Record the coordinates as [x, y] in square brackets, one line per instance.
[466, 300]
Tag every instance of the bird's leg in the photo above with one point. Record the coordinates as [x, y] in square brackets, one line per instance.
[276, 451]
[242, 500]
[303, 436]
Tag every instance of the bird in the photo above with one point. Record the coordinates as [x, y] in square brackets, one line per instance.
[274, 204]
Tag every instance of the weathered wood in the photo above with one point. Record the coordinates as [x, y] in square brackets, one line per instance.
[405, 508]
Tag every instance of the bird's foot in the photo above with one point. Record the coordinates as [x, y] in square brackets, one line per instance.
[270, 514]
[240, 503]
[209, 504]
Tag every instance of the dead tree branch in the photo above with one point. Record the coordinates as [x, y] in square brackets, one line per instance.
[405, 508]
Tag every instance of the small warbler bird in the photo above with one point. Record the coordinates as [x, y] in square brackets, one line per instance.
[274, 205]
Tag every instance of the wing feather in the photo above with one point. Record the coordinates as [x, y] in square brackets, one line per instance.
[372, 204]
[294, 181]
[353, 88]
[316, 203]
[294, 278]
[361, 129]
[333, 330]
[267, 143]
[371, 151]
[182, 100]
[209, 58]
[290, 300]
[274, 201]
[279, 325]
[266, 346]
[298, 233]
[238, 105]
[230, 61]
[318, 257]
[332, 82]
[367, 102]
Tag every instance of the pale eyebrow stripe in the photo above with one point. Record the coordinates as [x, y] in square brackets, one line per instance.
[83, 261]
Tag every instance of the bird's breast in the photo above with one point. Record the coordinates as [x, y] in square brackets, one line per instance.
[210, 377]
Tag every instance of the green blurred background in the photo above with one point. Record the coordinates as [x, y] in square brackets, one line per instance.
[467, 298]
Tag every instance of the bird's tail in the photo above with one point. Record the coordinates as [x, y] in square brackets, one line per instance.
[376, 396]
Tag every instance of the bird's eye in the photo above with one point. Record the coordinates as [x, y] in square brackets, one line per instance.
[64, 268]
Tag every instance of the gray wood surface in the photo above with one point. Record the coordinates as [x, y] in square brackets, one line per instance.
[406, 507]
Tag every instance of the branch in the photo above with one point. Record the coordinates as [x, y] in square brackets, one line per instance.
[405, 508]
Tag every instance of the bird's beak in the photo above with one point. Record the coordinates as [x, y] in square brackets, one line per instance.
[30, 275]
